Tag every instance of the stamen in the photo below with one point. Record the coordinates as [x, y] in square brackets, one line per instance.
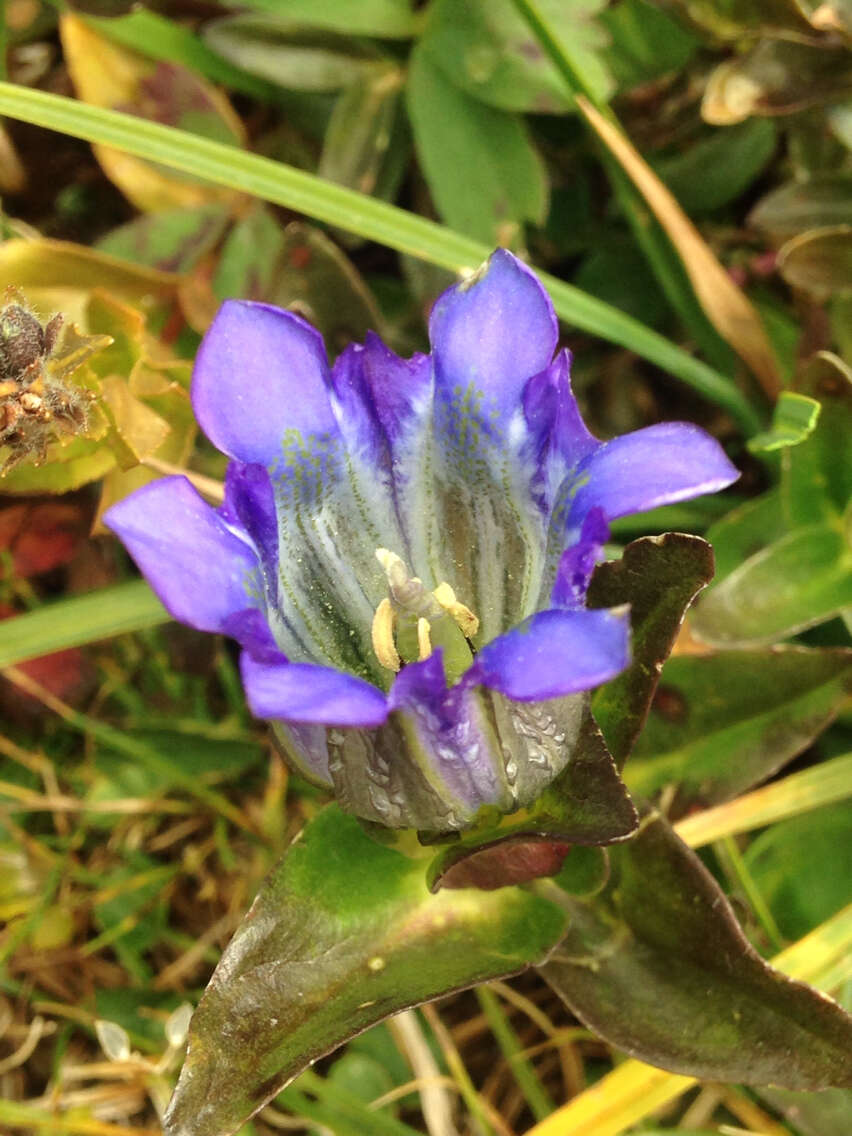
[406, 590]
[424, 639]
[382, 634]
[462, 614]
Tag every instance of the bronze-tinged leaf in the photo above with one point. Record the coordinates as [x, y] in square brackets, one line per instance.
[343, 934]
[659, 577]
[106, 74]
[658, 966]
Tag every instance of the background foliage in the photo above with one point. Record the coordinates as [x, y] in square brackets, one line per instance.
[681, 173]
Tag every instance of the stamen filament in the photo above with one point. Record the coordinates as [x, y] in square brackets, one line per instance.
[424, 639]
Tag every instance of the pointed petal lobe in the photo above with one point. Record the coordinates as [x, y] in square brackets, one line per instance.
[259, 373]
[659, 465]
[201, 570]
[492, 332]
[554, 653]
[305, 692]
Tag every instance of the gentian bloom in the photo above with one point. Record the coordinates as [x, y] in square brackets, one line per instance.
[404, 546]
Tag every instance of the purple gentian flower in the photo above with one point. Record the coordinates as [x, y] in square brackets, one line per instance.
[404, 546]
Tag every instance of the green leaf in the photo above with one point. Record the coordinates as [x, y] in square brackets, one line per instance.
[173, 241]
[646, 42]
[484, 174]
[816, 478]
[659, 577]
[159, 38]
[250, 258]
[81, 619]
[361, 145]
[717, 169]
[799, 581]
[793, 421]
[658, 966]
[721, 723]
[586, 804]
[272, 48]
[745, 531]
[343, 933]
[788, 865]
[384, 18]
[485, 48]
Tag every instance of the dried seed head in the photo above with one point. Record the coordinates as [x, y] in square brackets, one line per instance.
[22, 341]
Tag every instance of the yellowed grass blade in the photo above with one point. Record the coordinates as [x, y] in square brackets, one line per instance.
[725, 305]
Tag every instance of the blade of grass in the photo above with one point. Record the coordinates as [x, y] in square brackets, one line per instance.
[822, 785]
[368, 217]
[634, 1090]
[534, 1092]
[22, 1116]
[78, 620]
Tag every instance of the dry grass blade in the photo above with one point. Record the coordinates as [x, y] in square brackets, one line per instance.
[727, 308]
[437, 1106]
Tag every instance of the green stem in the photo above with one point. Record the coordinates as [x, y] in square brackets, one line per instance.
[534, 1092]
[369, 218]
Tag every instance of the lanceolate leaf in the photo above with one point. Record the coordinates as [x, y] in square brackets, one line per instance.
[343, 933]
[722, 723]
[658, 966]
[659, 577]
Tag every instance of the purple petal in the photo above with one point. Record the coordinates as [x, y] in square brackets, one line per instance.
[578, 562]
[259, 373]
[380, 394]
[452, 732]
[201, 570]
[251, 630]
[554, 653]
[489, 334]
[553, 417]
[250, 505]
[305, 692]
[655, 466]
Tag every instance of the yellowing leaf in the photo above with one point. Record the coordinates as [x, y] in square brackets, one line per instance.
[106, 74]
[138, 430]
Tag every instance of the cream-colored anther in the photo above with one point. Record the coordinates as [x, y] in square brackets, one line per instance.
[424, 639]
[462, 614]
[406, 590]
[382, 634]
